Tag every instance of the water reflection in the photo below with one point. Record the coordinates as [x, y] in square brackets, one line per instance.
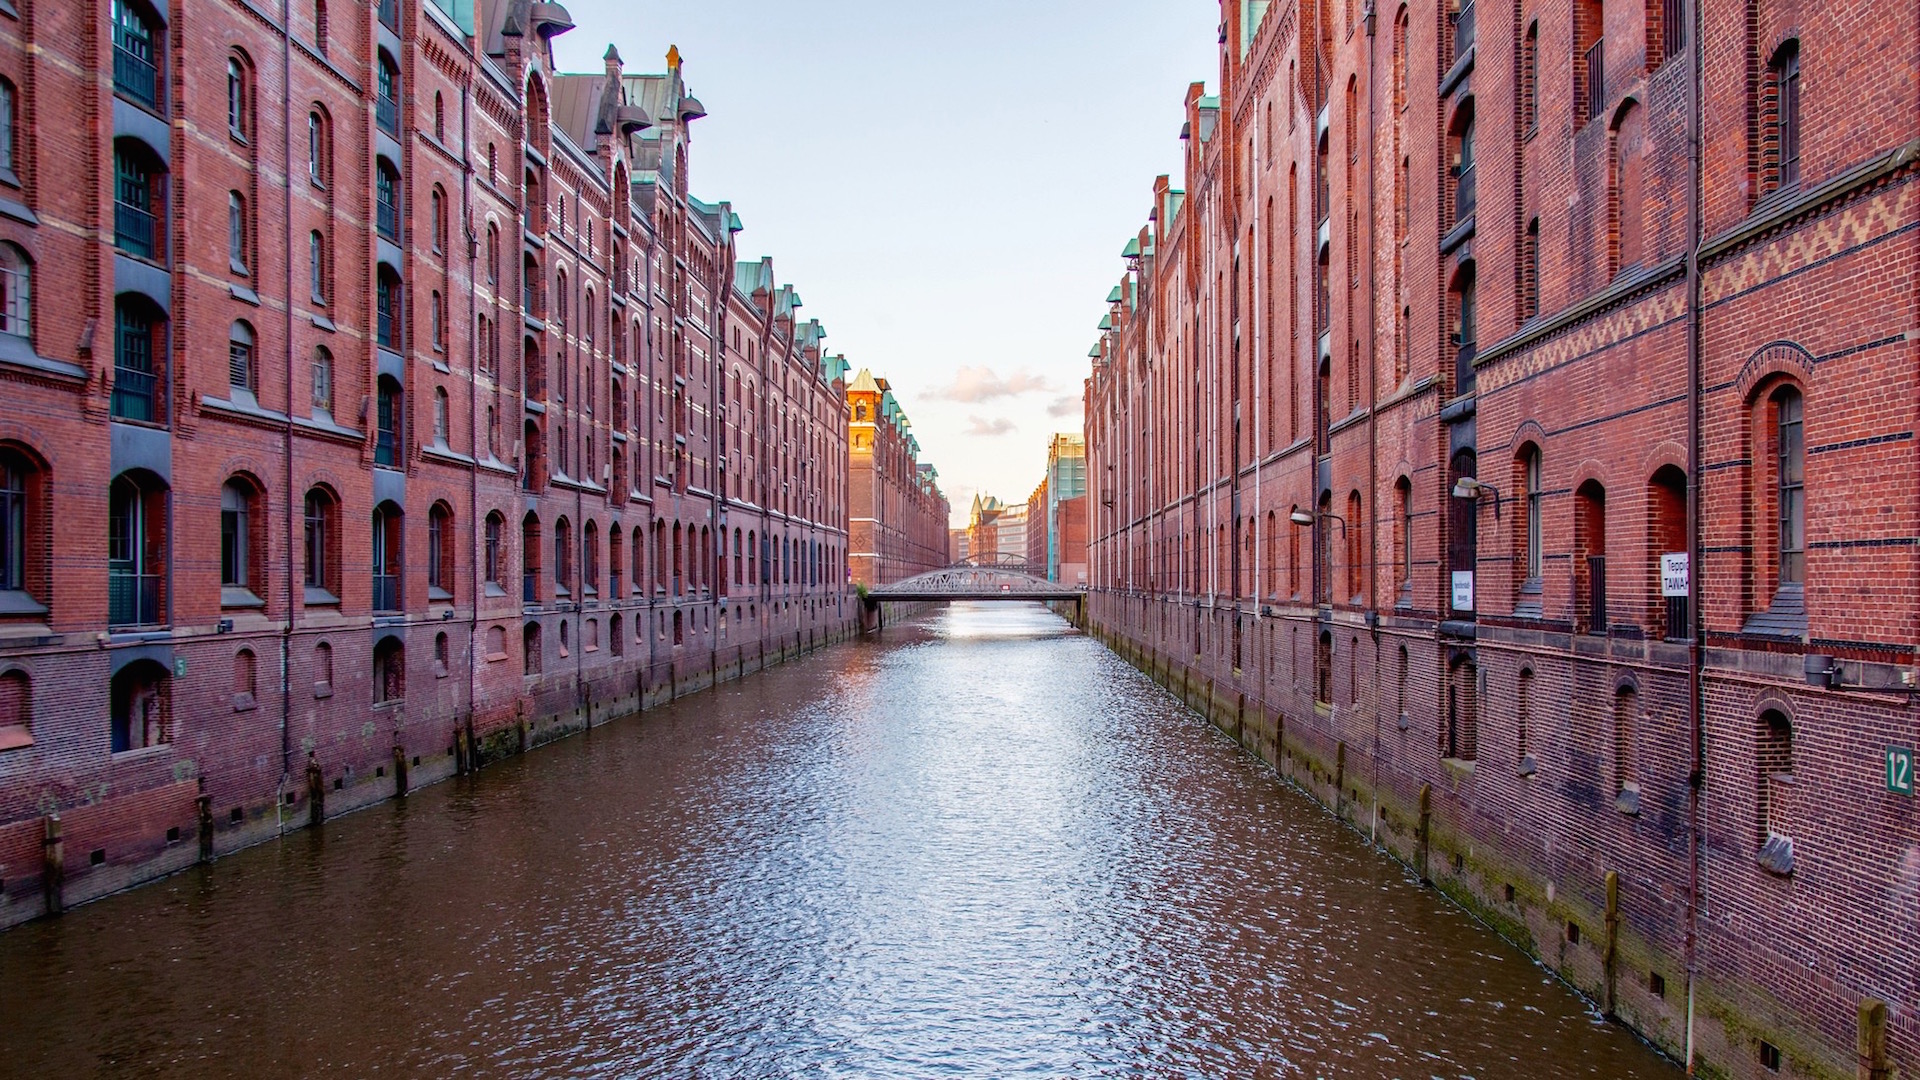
[981, 847]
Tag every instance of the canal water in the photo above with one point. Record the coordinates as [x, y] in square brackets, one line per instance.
[983, 846]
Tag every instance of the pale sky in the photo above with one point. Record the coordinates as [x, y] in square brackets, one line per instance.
[948, 185]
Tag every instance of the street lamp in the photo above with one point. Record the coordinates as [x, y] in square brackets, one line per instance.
[1468, 487]
[1306, 518]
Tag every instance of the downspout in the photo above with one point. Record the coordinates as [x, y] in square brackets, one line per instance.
[1696, 688]
[286, 633]
[1373, 399]
[474, 574]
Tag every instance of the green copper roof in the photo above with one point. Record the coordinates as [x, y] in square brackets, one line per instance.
[1093, 353]
[1132, 250]
[1106, 322]
[1114, 297]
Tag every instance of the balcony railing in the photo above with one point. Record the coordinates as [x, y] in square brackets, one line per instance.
[133, 599]
[387, 327]
[1596, 594]
[385, 444]
[133, 394]
[390, 15]
[386, 113]
[1462, 31]
[136, 76]
[135, 231]
[387, 220]
[386, 592]
[1464, 195]
[1596, 77]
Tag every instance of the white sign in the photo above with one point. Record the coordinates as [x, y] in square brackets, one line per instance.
[1673, 574]
[1463, 590]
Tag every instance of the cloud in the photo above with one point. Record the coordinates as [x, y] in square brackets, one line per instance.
[999, 425]
[974, 385]
[1066, 406]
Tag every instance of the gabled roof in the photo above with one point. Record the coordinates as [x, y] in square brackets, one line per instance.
[863, 383]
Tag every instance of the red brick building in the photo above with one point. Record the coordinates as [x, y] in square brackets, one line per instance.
[1447, 287]
[897, 518]
[379, 400]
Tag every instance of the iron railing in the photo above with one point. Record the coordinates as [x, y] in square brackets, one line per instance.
[386, 113]
[135, 76]
[385, 447]
[1679, 626]
[133, 599]
[1596, 77]
[1673, 28]
[386, 592]
[387, 219]
[133, 394]
[1596, 594]
[135, 231]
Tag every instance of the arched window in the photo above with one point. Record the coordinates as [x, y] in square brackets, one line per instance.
[238, 99]
[318, 150]
[321, 547]
[245, 667]
[1773, 790]
[16, 292]
[238, 243]
[322, 376]
[240, 367]
[321, 30]
[530, 651]
[1523, 721]
[1626, 790]
[317, 267]
[1589, 61]
[387, 551]
[440, 548]
[1667, 535]
[494, 556]
[386, 200]
[1460, 737]
[590, 559]
[1590, 558]
[386, 101]
[440, 421]
[139, 197]
[1356, 547]
[1403, 541]
[387, 311]
[1463, 301]
[1530, 79]
[136, 550]
[386, 444]
[1463, 529]
[9, 150]
[1780, 120]
[439, 116]
[436, 322]
[1789, 473]
[616, 634]
[242, 544]
[639, 564]
[1532, 509]
[140, 702]
[22, 531]
[530, 559]
[531, 473]
[389, 671]
[493, 254]
[1629, 156]
[16, 710]
[562, 557]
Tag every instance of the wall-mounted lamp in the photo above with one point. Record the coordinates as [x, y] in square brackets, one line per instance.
[1469, 488]
[1305, 518]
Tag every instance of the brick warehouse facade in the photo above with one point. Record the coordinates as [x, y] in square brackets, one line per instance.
[1443, 284]
[897, 518]
[379, 401]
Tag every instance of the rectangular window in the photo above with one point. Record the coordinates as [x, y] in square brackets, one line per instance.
[133, 376]
[236, 232]
[135, 227]
[136, 71]
[1790, 118]
[6, 125]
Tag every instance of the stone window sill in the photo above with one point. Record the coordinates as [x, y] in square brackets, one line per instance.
[15, 738]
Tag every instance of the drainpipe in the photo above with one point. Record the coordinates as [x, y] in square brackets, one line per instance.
[474, 574]
[1373, 400]
[286, 441]
[1696, 689]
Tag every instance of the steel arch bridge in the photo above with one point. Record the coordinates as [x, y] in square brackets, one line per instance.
[988, 577]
